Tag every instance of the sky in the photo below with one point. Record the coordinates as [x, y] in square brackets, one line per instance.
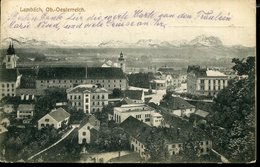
[239, 30]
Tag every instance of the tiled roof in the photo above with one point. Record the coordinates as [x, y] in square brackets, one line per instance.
[88, 119]
[80, 73]
[134, 94]
[201, 113]
[186, 130]
[105, 73]
[27, 71]
[59, 114]
[62, 73]
[25, 107]
[87, 88]
[137, 129]
[175, 103]
[8, 75]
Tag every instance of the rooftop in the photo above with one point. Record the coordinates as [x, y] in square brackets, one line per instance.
[137, 129]
[133, 108]
[214, 73]
[46, 73]
[105, 73]
[134, 94]
[201, 113]
[88, 119]
[87, 88]
[175, 103]
[59, 114]
[80, 73]
[25, 107]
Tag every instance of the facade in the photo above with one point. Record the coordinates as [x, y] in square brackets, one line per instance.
[89, 98]
[205, 82]
[69, 77]
[9, 82]
[141, 112]
[177, 106]
[55, 118]
[25, 111]
[84, 132]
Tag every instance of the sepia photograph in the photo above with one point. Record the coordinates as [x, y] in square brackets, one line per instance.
[128, 81]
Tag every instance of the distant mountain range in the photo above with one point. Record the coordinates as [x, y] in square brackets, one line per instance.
[199, 41]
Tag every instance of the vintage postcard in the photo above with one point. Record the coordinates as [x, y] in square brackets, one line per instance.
[128, 81]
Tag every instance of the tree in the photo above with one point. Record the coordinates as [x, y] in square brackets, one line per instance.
[117, 93]
[234, 109]
[155, 145]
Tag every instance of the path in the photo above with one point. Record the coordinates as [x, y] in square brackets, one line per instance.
[105, 156]
[62, 138]
[223, 159]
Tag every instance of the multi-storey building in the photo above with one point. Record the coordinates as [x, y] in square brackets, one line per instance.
[69, 77]
[84, 132]
[205, 82]
[9, 82]
[89, 98]
[25, 111]
[56, 118]
[141, 112]
[175, 138]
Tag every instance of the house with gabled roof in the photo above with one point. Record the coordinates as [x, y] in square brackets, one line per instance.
[55, 118]
[87, 124]
[176, 137]
[135, 95]
[178, 106]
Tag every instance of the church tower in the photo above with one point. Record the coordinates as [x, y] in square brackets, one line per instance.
[121, 61]
[10, 58]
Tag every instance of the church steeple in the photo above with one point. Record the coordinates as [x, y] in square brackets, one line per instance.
[10, 50]
[121, 58]
[10, 58]
[121, 61]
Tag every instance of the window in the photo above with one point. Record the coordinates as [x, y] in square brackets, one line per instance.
[147, 119]
[47, 120]
[207, 142]
[79, 97]
[75, 97]
[86, 100]
[93, 97]
[7, 85]
[103, 103]
[114, 80]
[120, 80]
[103, 97]
[79, 103]
[201, 142]
[71, 97]
[202, 81]
[98, 97]
[83, 133]
[109, 82]
[201, 150]
[173, 146]
[93, 103]
[98, 103]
